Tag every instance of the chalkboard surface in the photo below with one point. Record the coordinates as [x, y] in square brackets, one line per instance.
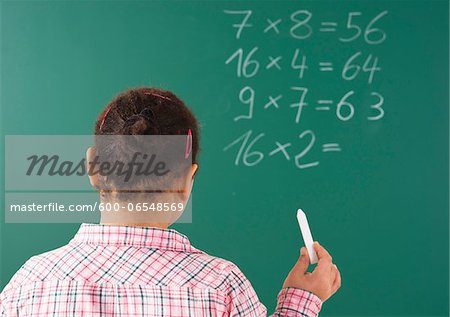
[338, 108]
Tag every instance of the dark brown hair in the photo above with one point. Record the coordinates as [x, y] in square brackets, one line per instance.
[148, 111]
[142, 111]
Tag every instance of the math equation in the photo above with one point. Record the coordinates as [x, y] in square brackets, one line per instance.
[302, 28]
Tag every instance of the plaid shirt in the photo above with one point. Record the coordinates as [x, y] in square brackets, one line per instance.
[137, 271]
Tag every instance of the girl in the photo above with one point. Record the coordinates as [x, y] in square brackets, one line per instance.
[132, 264]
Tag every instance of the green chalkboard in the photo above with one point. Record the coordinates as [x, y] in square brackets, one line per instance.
[338, 108]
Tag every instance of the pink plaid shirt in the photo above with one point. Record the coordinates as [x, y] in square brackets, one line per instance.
[137, 271]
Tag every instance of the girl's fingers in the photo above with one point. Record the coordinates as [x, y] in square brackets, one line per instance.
[303, 261]
[337, 280]
[322, 254]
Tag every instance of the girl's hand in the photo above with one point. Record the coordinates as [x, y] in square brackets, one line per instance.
[323, 282]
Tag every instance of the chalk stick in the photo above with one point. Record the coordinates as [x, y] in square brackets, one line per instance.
[307, 237]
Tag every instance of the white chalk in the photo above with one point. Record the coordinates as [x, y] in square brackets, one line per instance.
[307, 237]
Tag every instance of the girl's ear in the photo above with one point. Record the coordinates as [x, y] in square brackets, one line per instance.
[90, 155]
[189, 182]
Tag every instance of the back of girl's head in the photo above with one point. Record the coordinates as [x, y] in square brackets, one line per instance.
[148, 111]
[142, 111]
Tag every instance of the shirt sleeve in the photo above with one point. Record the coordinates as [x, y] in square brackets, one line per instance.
[3, 302]
[296, 302]
[242, 298]
[2, 309]
[9, 296]
[292, 302]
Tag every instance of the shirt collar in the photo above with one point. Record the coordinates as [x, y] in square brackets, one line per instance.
[145, 237]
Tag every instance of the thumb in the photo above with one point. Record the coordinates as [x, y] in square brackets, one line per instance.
[303, 262]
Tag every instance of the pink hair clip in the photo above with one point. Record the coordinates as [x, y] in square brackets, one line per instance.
[188, 144]
[157, 95]
[104, 117]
